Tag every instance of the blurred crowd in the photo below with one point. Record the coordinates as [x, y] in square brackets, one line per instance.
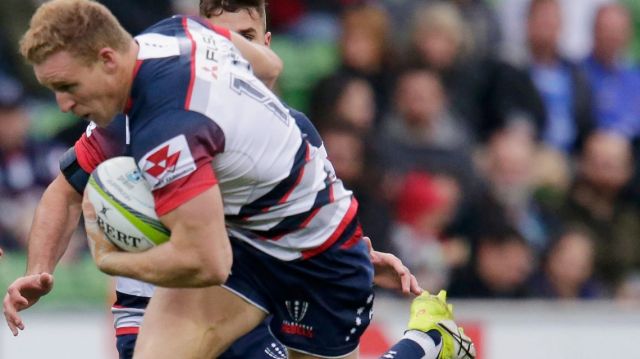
[493, 145]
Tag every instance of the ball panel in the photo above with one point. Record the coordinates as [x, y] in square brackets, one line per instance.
[149, 228]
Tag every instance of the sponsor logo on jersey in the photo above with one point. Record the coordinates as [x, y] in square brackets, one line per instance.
[297, 310]
[167, 162]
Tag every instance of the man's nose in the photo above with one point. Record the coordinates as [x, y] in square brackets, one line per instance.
[65, 102]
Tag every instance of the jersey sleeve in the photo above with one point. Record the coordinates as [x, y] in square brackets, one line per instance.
[174, 152]
[94, 146]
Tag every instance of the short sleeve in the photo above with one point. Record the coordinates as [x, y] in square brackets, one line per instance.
[94, 147]
[174, 152]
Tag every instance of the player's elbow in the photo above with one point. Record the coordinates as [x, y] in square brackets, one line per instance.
[271, 73]
[215, 269]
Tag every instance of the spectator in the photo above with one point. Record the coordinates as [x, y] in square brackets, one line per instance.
[425, 206]
[351, 158]
[483, 24]
[422, 133]
[567, 268]
[365, 50]
[562, 84]
[598, 201]
[508, 165]
[500, 268]
[441, 42]
[615, 82]
[346, 98]
[27, 166]
[422, 116]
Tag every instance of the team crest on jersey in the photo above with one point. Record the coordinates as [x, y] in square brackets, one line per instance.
[297, 310]
[168, 162]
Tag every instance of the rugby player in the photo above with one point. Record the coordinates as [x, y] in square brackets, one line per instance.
[53, 70]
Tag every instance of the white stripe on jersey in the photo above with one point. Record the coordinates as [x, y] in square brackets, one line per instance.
[153, 46]
[124, 317]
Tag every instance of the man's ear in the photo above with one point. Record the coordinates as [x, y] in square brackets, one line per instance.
[267, 38]
[109, 59]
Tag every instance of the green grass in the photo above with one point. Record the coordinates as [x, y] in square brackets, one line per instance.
[77, 285]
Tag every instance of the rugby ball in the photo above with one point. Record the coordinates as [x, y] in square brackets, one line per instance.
[124, 206]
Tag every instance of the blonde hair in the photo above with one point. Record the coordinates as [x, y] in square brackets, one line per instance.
[445, 18]
[371, 19]
[81, 27]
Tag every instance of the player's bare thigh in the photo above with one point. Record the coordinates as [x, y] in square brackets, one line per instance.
[297, 355]
[194, 323]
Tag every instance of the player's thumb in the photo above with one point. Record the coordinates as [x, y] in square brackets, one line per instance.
[88, 210]
[46, 281]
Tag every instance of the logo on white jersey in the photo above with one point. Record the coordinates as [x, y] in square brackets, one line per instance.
[168, 162]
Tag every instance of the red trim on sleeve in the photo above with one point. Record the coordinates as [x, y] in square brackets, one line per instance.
[89, 157]
[222, 31]
[179, 192]
[127, 331]
[185, 25]
[136, 69]
[348, 217]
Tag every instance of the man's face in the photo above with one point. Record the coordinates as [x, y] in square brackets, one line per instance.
[249, 24]
[88, 91]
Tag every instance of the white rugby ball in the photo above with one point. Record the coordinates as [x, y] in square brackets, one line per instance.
[124, 206]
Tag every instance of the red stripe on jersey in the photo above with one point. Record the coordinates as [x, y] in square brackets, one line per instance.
[89, 154]
[348, 217]
[127, 331]
[221, 30]
[331, 199]
[179, 192]
[357, 236]
[300, 175]
[193, 62]
[135, 73]
[218, 29]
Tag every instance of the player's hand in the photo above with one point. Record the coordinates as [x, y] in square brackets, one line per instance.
[1, 252]
[390, 273]
[99, 245]
[23, 293]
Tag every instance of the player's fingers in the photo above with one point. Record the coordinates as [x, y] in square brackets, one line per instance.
[11, 316]
[88, 210]
[367, 240]
[415, 288]
[405, 279]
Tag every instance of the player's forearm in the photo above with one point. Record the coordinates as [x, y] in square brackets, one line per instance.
[168, 266]
[267, 66]
[55, 219]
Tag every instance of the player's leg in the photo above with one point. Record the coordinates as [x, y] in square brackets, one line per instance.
[297, 355]
[125, 345]
[194, 323]
[432, 333]
[257, 344]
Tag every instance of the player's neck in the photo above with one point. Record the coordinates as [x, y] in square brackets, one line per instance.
[129, 72]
